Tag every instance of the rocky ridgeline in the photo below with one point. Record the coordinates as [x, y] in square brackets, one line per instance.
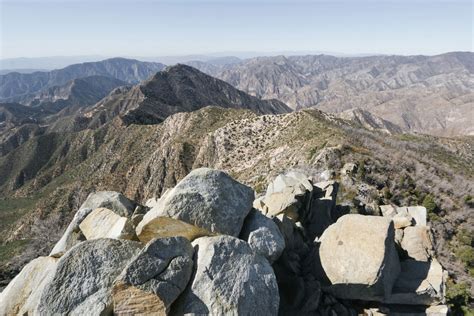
[207, 246]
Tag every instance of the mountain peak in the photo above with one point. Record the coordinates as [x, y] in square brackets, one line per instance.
[181, 88]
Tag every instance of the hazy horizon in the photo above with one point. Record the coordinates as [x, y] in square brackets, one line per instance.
[156, 28]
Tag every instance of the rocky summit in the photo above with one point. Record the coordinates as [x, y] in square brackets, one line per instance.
[211, 246]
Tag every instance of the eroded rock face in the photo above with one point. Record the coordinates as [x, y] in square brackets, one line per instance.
[154, 278]
[23, 293]
[104, 223]
[229, 279]
[206, 198]
[358, 256]
[83, 279]
[263, 235]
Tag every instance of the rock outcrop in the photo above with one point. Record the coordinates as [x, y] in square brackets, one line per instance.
[229, 279]
[203, 249]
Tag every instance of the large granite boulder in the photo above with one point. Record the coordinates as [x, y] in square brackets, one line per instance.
[229, 279]
[419, 283]
[154, 278]
[111, 200]
[359, 258]
[263, 235]
[83, 279]
[23, 293]
[208, 199]
[104, 223]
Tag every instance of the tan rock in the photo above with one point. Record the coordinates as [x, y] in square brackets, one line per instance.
[358, 256]
[402, 220]
[104, 223]
[23, 293]
[417, 243]
[438, 310]
[160, 227]
[130, 300]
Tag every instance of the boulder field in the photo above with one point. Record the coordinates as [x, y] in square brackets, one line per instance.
[208, 246]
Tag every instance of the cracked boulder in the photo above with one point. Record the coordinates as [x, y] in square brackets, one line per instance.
[153, 279]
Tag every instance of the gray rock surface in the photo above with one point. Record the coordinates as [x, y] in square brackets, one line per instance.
[358, 256]
[84, 276]
[229, 279]
[206, 198]
[263, 235]
[156, 277]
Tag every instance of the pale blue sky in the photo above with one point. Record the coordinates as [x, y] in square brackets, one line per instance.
[155, 28]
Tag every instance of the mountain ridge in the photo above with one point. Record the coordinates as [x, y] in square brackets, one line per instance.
[426, 94]
[128, 70]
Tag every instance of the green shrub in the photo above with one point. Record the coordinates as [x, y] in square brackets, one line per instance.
[466, 255]
[469, 200]
[457, 297]
[430, 203]
[465, 237]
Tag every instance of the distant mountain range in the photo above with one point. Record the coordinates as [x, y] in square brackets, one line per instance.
[14, 85]
[428, 94]
[425, 94]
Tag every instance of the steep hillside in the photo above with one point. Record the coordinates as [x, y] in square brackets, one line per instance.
[143, 160]
[429, 94]
[14, 85]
